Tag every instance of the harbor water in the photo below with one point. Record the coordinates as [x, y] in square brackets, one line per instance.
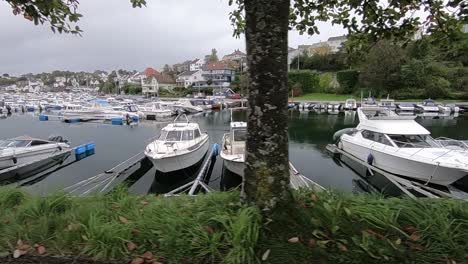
[309, 133]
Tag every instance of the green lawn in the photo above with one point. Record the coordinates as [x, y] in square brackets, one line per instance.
[322, 97]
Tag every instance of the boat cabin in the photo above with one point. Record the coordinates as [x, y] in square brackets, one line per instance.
[21, 142]
[385, 127]
[235, 143]
[180, 132]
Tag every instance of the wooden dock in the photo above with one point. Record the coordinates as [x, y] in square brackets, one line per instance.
[299, 181]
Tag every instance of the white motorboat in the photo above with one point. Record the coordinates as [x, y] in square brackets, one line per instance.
[180, 145]
[24, 149]
[233, 148]
[187, 106]
[399, 145]
[350, 104]
[453, 108]
[405, 107]
[444, 108]
[128, 111]
[388, 103]
[427, 106]
[155, 109]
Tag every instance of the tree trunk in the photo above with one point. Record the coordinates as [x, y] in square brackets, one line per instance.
[266, 181]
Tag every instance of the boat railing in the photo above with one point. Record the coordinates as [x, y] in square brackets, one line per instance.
[179, 116]
[449, 142]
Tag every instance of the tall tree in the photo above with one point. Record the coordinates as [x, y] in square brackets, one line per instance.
[213, 56]
[267, 169]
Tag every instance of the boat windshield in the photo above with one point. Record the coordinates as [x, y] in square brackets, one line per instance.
[429, 103]
[14, 143]
[174, 135]
[240, 135]
[414, 141]
[163, 135]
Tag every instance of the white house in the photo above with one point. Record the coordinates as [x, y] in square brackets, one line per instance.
[196, 65]
[152, 85]
[336, 42]
[34, 86]
[187, 78]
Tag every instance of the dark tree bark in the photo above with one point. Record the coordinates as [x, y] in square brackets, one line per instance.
[266, 182]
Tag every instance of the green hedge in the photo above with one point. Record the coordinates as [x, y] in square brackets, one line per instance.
[347, 80]
[308, 80]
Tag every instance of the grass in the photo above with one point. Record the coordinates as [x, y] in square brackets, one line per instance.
[321, 97]
[217, 228]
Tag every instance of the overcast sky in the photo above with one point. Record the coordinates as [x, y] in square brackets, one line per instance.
[117, 36]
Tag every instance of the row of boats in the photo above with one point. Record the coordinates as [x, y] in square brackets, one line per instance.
[351, 104]
[87, 107]
[391, 142]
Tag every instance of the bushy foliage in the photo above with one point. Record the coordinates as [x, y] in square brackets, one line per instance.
[308, 80]
[348, 80]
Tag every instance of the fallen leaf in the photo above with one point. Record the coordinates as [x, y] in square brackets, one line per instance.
[22, 245]
[123, 220]
[312, 243]
[414, 237]
[135, 232]
[451, 261]
[147, 255]
[144, 202]
[156, 262]
[342, 247]
[313, 197]
[41, 250]
[131, 246]
[209, 229]
[398, 241]
[409, 229]
[266, 255]
[415, 247]
[137, 261]
[293, 240]
[18, 253]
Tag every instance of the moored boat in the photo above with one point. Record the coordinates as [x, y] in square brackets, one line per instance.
[180, 145]
[24, 149]
[427, 106]
[399, 145]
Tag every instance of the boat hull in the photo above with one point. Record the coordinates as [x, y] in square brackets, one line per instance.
[404, 167]
[179, 162]
[236, 167]
[23, 158]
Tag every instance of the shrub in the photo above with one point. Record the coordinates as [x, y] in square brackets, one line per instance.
[326, 83]
[437, 87]
[347, 80]
[308, 80]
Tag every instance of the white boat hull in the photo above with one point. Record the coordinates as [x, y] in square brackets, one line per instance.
[23, 158]
[179, 162]
[403, 166]
[236, 167]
